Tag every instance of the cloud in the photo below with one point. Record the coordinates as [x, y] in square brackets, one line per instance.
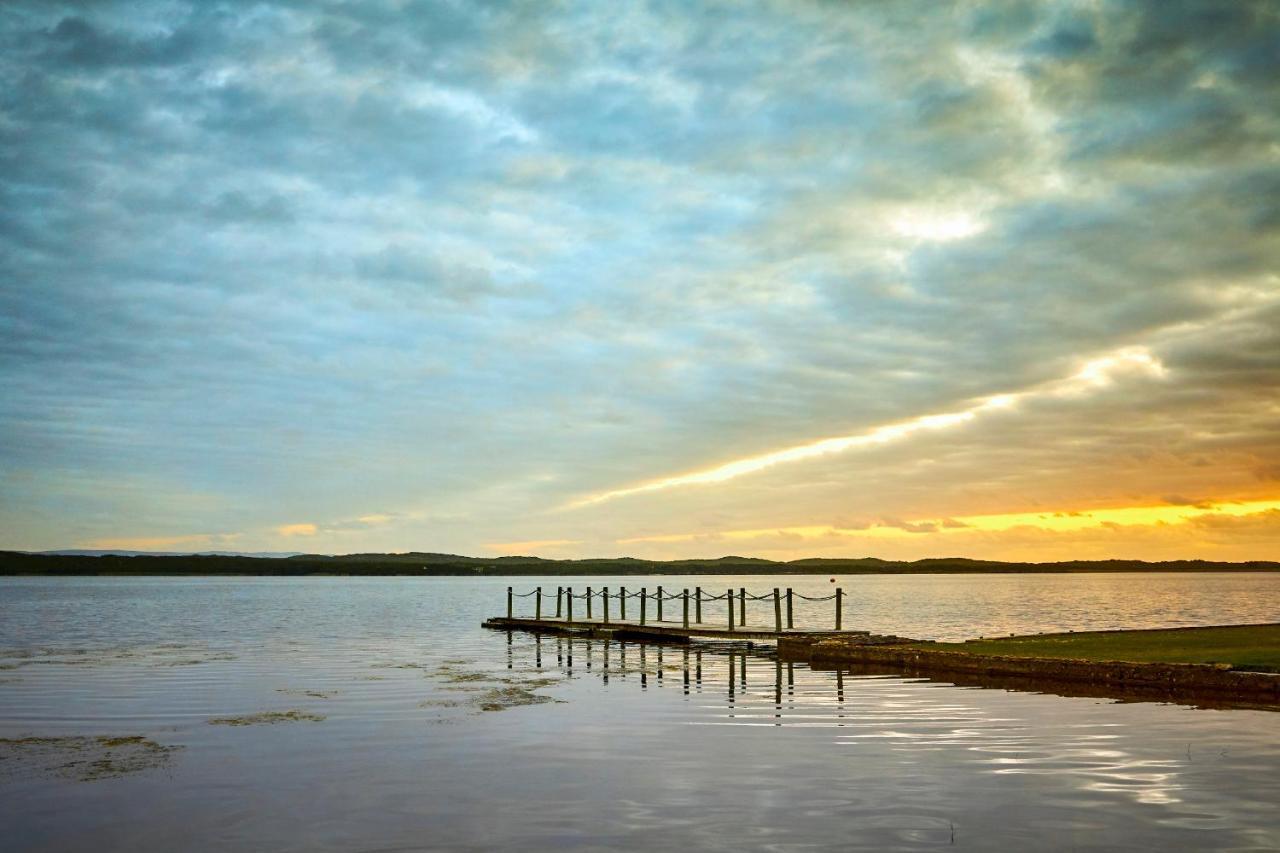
[1095, 373]
[469, 264]
[149, 543]
[301, 529]
[75, 41]
[521, 548]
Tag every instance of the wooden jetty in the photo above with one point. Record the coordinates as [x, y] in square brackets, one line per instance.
[601, 613]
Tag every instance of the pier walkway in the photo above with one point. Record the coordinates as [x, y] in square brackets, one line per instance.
[601, 613]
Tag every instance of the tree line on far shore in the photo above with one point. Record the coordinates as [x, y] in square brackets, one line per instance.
[422, 564]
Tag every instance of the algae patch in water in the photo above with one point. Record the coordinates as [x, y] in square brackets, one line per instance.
[268, 718]
[464, 677]
[86, 759]
[502, 698]
[538, 683]
[450, 673]
[314, 694]
[491, 692]
[168, 654]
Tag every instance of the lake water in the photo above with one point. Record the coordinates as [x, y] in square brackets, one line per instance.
[402, 725]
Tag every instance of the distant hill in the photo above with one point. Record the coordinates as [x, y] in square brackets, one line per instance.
[415, 563]
[85, 552]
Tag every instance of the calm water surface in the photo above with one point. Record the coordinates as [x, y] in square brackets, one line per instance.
[438, 735]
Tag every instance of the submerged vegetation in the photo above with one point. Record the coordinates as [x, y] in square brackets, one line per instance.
[430, 564]
[500, 694]
[514, 696]
[85, 759]
[268, 718]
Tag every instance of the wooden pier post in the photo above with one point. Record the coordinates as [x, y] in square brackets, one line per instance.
[790, 624]
[588, 602]
[537, 607]
[729, 598]
[686, 608]
[659, 604]
[644, 602]
[622, 603]
[510, 603]
[742, 605]
[839, 607]
[777, 610]
[568, 605]
[697, 605]
[604, 594]
[559, 592]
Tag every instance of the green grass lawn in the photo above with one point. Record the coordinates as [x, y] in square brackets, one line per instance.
[1255, 647]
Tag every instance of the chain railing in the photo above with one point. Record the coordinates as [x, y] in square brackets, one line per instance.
[783, 605]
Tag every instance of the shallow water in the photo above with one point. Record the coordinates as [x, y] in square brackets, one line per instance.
[374, 714]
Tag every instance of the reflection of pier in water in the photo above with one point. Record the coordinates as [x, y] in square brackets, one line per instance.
[711, 669]
[906, 712]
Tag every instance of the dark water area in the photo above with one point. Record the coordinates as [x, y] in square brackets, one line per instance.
[374, 714]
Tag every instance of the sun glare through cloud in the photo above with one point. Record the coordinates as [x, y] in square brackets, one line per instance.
[1094, 374]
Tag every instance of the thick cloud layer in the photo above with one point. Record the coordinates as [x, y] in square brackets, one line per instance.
[454, 276]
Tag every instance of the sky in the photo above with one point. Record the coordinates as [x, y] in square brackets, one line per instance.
[780, 279]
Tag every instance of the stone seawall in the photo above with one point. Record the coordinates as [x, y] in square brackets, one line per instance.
[1172, 679]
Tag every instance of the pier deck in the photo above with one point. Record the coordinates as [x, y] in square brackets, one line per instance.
[668, 631]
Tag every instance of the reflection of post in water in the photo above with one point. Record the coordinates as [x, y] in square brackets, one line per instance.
[568, 661]
[644, 669]
[791, 679]
[777, 689]
[537, 650]
[606, 661]
[589, 644]
[510, 659]
[733, 663]
[697, 673]
[840, 689]
[659, 666]
[622, 658]
[742, 663]
[686, 670]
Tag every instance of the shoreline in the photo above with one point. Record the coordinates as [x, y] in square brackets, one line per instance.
[1218, 683]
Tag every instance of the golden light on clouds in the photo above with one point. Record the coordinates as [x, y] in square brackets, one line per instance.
[305, 529]
[1056, 521]
[151, 543]
[530, 546]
